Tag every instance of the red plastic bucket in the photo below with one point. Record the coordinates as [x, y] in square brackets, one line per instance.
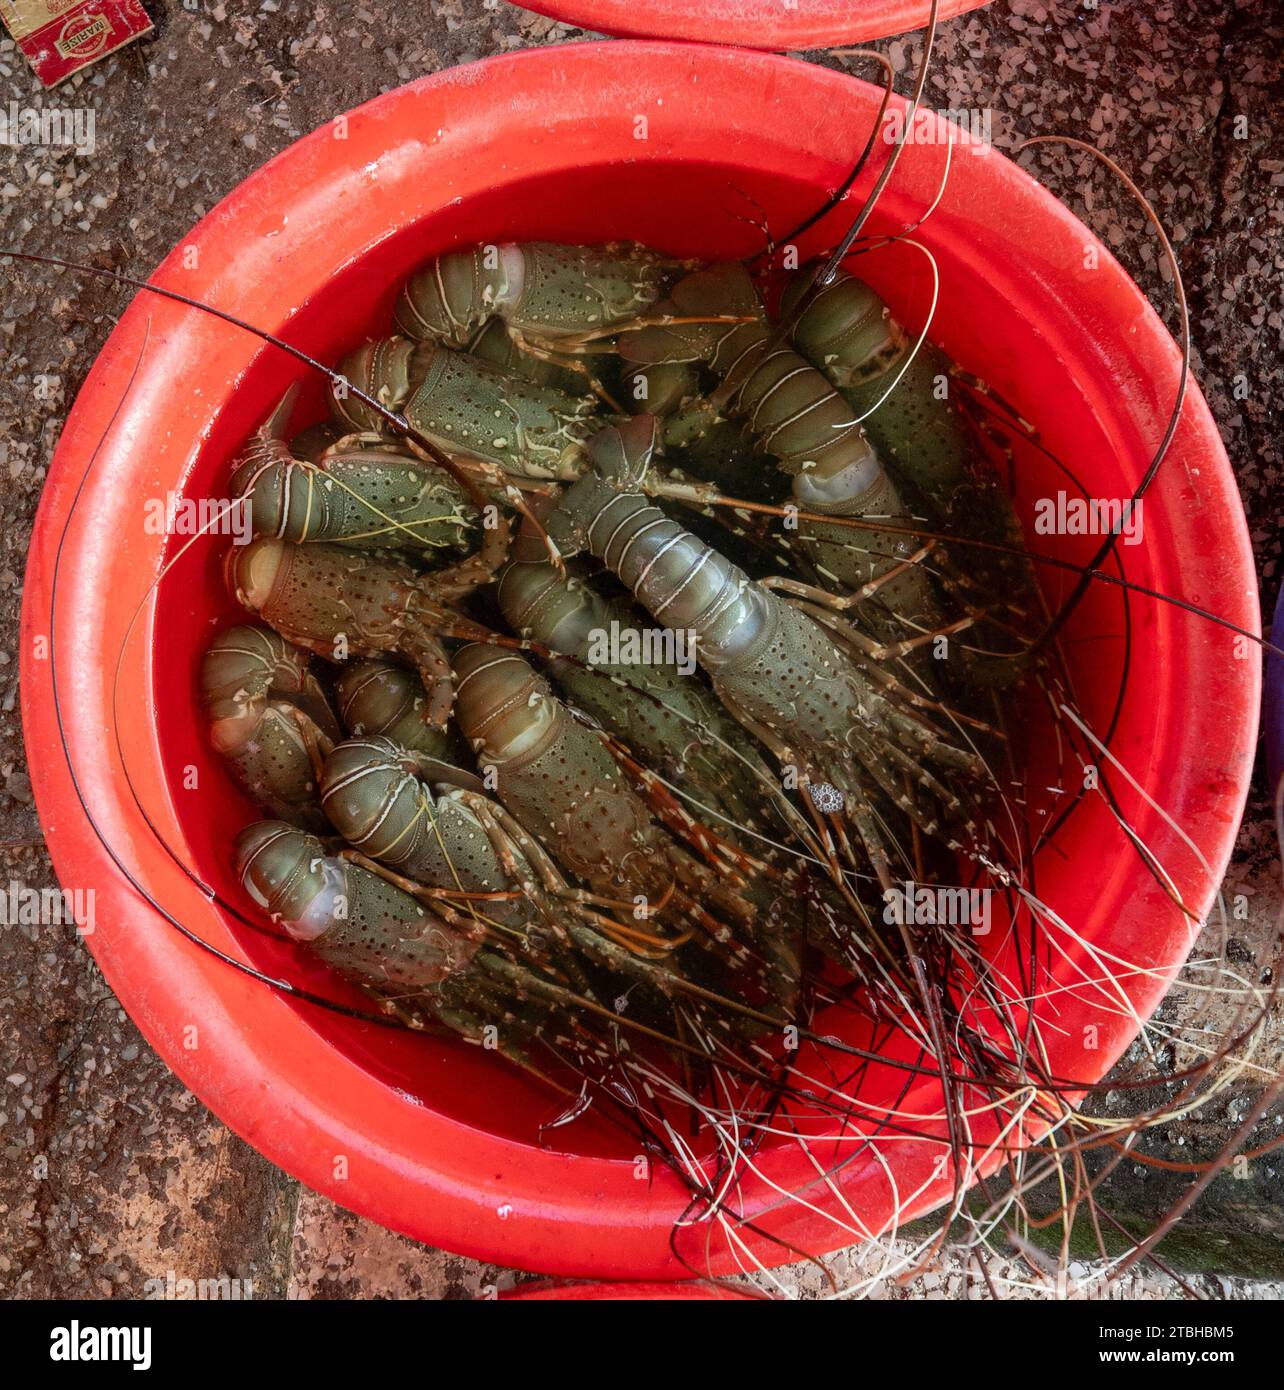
[434, 1139]
[753, 23]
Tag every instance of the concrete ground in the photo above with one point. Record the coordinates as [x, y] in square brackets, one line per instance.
[111, 1174]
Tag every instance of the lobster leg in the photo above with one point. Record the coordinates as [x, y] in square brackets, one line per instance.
[546, 352]
[815, 597]
[505, 824]
[436, 897]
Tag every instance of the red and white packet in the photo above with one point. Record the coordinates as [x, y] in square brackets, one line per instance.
[60, 37]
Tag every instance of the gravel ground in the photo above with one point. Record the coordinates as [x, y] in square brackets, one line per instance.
[111, 1174]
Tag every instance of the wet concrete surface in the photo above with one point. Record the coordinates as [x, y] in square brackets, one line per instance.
[111, 1174]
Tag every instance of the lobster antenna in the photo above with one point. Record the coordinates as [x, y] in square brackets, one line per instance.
[1087, 575]
[1107, 547]
[1085, 572]
[818, 281]
[841, 192]
[877, 243]
[335, 377]
[839, 253]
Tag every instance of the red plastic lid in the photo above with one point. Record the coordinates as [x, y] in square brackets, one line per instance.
[775, 24]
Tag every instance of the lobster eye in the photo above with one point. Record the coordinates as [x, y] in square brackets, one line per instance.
[252, 571]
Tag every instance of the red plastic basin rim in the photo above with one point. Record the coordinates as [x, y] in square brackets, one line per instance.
[774, 24]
